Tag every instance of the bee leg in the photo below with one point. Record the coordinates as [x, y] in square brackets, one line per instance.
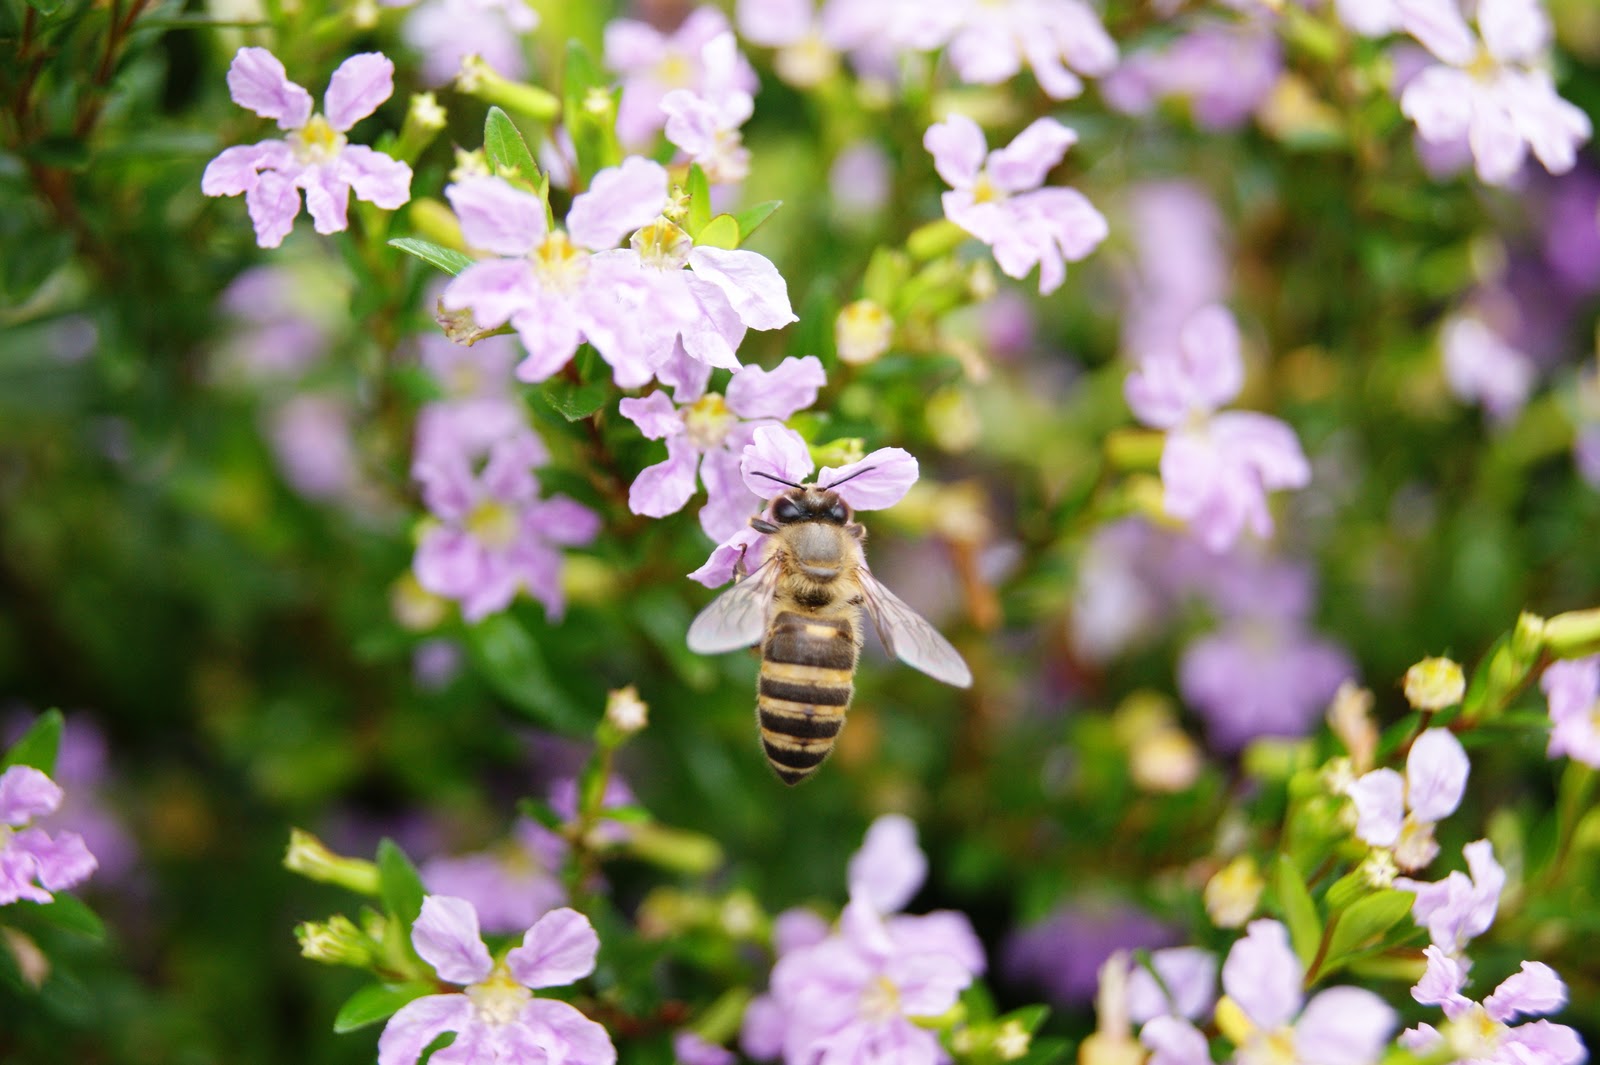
[761, 525]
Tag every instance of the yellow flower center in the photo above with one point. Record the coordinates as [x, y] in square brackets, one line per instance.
[662, 245]
[316, 141]
[1257, 1046]
[499, 999]
[708, 421]
[984, 190]
[675, 71]
[1474, 1036]
[493, 524]
[881, 1000]
[1483, 66]
[560, 263]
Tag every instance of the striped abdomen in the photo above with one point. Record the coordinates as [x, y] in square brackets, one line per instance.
[807, 668]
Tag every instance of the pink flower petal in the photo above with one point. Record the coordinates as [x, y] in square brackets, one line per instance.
[1439, 101]
[958, 148]
[619, 200]
[889, 867]
[654, 414]
[664, 488]
[559, 949]
[1209, 346]
[565, 1035]
[1442, 982]
[327, 199]
[258, 81]
[752, 285]
[1344, 1026]
[1172, 1041]
[361, 83]
[775, 23]
[777, 393]
[496, 217]
[446, 936]
[1438, 24]
[779, 452]
[729, 503]
[880, 480]
[744, 546]
[1514, 31]
[26, 793]
[1380, 806]
[375, 177]
[1535, 989]
[1187, 987]
[273, 203]
[1544, 1043]
[235, 169]
[1436, 775]
[61, 861]
[493, 290]
[1263, 975]
[564, 521]
[418, 1023]
[1024, 163]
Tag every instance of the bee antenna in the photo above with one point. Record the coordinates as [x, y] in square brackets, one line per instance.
[852, 477]
[771, 477]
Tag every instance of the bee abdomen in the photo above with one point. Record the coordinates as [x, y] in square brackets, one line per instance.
[807, 669]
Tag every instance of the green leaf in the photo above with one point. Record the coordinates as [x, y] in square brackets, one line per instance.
[376, 1002]
[514, 666]
[750, 219]
[508, 153]
[61, 152]
[721, 232]
[399, 883]
[73, 914]
[1299, 912]
[1030, 1017]
[46, 7]
[699, 190]
[1367, 920]
[38, 746]
[1045, 1052]
[574, 401]
[449, 260]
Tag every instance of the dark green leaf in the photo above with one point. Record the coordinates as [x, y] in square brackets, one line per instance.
[46, 7]
[449, 260]
[73, 914]
[699, 200]
[38, 746]
[508, 153]
[376, 1002]
[63, 153]
[1366, 920]
[1299, 912]
[573, 401]
[399, 882]
[515, 667]
[750, 218]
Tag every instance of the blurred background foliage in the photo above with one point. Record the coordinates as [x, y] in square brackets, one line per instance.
[239, 645]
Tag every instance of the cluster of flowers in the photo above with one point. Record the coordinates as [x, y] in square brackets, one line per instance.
[33, 862]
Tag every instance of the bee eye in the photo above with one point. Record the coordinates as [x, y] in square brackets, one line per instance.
[839, 514]
[785, 511]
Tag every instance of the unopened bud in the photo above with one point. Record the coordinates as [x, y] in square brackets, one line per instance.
[460, 327]
[1012, 1040]
[1350, 719]
[364, 14]
[1167, 760]
[1574, 634]
[32, 964]
[807, 63]
[478, 78]
[336, 941]
[414, 607]
[625, 711]
[1434, 683]
[1379, 869]
[862, 332]
[740, 917]
[1112, 1042]
[1232, 894]
[310, 857]
[424, 119]
[470, 165]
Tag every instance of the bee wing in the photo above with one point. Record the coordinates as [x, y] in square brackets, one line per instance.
[909, 637]
[738, 617]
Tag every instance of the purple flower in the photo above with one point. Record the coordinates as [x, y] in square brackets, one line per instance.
[316, 156]
[996, 196]
[310, 436]
[653, 64]
[1216, 468]
[1482, 368]
[850, 997]
[1586, 454]
[88, 807]
[1063, 953]
[705, 122]
[495, 536]
[1572, 689]
[283, 320]
[1483, 1033]
[859, 182]
[1459, 907]
[775, 454]
[447, 31]
[496, 1018]
[1225, 71]
[690, 1049]
[33, 863]
[1370, 18]
[1266, 1009]
[509, 886]
[1435, 780]
[1181, 262]
[1260, 678]
[637, 306]
[708, 437]
[1486, 88]
[1187, 987]
[996, 37]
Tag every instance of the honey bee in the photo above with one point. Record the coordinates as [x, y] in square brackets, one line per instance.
[803, 604]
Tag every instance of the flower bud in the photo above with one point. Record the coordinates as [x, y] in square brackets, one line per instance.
[414, 607]
[1574, 634]
[806, 63]
[625, 711]
[470, 164]
[1350, 719]
[424, 119]
[32, 964]
[1434, 683]
[1112, 1042]
[336, 941]
[1232, 894]
[478, 78]
[310, 857]
[862, 332]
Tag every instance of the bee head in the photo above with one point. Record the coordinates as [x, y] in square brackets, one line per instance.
[810, 504]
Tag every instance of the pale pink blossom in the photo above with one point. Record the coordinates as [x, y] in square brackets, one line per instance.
[316, 156]
[1057, 39]
[1573, 691]
[1483, 1034]
[1482, 368]
[33, 862]
[705, 122]
[1462, 906]
[997, 197]
[1489, 87]
[1399, 812]
[448, 31]
[653, 64]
